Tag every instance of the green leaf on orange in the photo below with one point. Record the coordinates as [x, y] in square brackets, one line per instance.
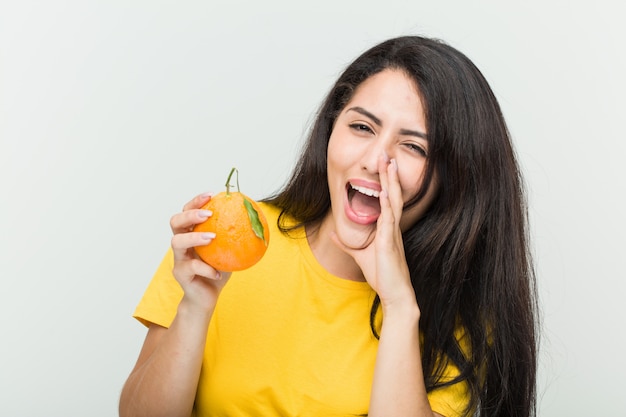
[257, 226]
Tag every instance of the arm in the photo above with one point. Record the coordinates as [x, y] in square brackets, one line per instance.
[398, 387]
[165, 378]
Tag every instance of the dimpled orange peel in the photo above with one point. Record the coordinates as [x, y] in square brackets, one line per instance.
[240, 227]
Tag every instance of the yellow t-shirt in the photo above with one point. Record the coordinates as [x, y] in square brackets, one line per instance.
[286, 338]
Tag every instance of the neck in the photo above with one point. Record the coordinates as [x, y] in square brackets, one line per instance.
[329, 255]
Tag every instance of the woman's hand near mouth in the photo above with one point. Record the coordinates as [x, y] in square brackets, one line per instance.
[383, 262]
[398, 383]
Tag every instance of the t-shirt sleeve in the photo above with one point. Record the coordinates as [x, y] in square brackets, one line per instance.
[160, 300]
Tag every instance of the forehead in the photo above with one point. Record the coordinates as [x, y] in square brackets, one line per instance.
[390, 84]
[390, 93]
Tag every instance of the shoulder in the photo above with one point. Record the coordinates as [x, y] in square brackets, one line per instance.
[279, 219]
[281, 235]
[270, 211]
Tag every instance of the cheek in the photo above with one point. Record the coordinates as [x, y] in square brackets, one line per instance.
[333, 162]
[338, 155]
[331, 151]
[411, 183]
[409, 190]
[336, 147]
[411, 179]
[412, 215]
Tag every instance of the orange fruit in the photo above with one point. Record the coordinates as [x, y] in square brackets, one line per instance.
[240, 227]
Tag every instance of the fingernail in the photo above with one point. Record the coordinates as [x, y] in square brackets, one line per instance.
[207, 236]
[394, 164]
[385, 156]
[203, 214]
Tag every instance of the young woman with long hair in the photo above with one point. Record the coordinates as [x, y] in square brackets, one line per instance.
[398, 281]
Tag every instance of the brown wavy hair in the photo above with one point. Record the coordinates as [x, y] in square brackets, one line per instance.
[468, 256]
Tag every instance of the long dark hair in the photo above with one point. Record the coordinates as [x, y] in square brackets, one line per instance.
[468, 256]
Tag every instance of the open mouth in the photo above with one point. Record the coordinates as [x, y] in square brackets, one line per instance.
[364, 202]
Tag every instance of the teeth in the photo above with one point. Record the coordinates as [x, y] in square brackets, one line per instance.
[366, 191]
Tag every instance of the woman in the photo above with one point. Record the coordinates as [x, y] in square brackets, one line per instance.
[398, 280]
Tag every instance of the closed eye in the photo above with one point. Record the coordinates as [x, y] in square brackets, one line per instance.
[416, 148]
[360, 127]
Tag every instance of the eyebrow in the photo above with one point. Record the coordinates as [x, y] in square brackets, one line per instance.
[379, 122]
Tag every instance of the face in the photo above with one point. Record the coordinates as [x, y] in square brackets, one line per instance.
[385, 117]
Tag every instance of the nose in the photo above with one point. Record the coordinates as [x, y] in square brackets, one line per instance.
[375, 149]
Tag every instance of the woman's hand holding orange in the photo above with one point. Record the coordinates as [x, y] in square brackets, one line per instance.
[200, 282]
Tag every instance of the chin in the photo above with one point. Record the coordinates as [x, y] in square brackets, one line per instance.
[356, 236]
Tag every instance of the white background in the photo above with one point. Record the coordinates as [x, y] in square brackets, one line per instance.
[114, 113]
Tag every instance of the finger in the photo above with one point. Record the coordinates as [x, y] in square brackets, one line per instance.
[394, 189]
[191, 268]
[183, 242]
[389, 189]
[383, 163]
[386, 225]
[391, 205]
[184, 221]
[198, 201]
